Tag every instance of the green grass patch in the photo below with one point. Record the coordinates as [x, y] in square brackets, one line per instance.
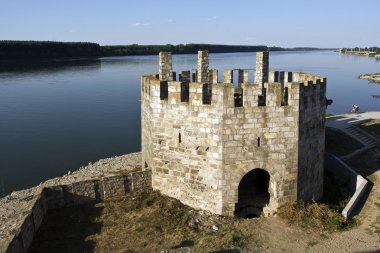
[326, 215]
[315, 216]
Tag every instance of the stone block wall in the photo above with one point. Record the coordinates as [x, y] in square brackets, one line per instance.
[166, 66]
[200, 151]
[146, 116]
[184, 144]
[203, 66]
[77, 193]
[311, 139]
[243, 76]
[262, 67]
[261, 137]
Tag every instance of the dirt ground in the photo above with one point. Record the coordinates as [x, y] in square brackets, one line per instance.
[149, 222]
[154, 223]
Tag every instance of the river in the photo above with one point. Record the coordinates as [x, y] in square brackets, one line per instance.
[56, 115]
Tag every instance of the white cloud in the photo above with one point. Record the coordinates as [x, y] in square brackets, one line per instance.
[140, 24]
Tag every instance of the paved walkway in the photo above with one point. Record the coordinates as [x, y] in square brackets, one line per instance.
[346, 120]
[365, 237]
[346, 123]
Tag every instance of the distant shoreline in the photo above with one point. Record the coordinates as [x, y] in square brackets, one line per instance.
[25, 50]
[372, 78]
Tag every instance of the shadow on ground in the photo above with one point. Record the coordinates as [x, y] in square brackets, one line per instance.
[67, 230]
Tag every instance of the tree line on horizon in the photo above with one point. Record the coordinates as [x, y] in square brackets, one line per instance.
[46, 49]
[51, 49]
[135, 49]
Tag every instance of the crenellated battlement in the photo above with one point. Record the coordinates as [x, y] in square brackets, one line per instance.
[283, 89]
[214, 144]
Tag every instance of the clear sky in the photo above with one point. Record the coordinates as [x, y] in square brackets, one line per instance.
[286, 23]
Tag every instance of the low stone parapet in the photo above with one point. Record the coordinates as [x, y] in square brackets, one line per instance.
[355, 182]
[22, 212]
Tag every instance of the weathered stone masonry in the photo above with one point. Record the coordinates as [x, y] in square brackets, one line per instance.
[203, 140]
[20, 237]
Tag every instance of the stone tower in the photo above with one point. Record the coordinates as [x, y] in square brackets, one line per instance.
[241, 150]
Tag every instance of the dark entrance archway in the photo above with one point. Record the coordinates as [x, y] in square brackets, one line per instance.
[253, 194]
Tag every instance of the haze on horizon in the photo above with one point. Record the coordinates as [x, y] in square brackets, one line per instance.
[292, 23]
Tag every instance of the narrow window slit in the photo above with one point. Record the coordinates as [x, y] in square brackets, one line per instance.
[285, 97]
[164, 90]
[238, 97]
[262, 98]
[185, 92]
[206, 94]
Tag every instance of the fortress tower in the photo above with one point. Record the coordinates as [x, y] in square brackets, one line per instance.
[232, 150]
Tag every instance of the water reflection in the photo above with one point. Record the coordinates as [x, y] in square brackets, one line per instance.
[56, 115]
[51, 65]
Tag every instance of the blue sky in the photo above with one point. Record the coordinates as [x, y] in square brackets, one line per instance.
[286, 23]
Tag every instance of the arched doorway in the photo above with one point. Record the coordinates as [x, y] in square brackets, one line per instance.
[253, 194]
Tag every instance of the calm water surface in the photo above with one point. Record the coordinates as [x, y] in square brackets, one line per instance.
[58, 115]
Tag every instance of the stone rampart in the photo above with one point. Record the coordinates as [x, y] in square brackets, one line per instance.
[26, 210]
[223, 95]
[201, 138]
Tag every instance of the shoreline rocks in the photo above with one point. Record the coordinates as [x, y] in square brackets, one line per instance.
[372, 78]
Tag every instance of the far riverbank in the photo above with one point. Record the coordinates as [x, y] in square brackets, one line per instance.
[372, 78]
[10, 49]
